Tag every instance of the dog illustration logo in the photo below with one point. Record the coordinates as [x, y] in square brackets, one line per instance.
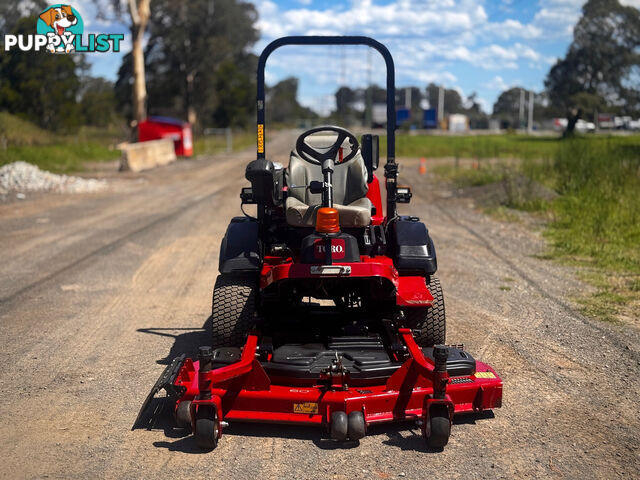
[60, 23]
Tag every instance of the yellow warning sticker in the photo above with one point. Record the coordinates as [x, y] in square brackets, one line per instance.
[485, 375]
[308, 407]
[260, 138]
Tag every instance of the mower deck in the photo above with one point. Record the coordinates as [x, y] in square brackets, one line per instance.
[344, 396]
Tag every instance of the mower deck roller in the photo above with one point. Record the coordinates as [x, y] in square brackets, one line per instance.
[371, 349]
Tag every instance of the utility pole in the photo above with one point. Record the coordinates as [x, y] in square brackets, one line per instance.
[530, 122]
[521, 113]
[407, 98]
[440, 106]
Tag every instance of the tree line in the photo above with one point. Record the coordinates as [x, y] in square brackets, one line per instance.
[198, 65]
[600, 73]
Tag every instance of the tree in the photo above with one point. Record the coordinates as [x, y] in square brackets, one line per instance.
[38, 85]
[236, 87]
[139, 12]
[98, 103]
[452, 99]
[478, 119]
[603, 61]
[26, 8]
[282, 103]
[189, 53]
[507, 106]
[345, 98]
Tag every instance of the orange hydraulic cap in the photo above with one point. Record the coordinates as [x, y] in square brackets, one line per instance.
[327, 220]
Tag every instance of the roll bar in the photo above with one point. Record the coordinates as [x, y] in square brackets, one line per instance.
[333, 40]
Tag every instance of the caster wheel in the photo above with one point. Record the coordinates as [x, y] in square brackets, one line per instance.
[357, 427]
[206, 433]
[339, 426]
[438, 428]
[183, 415]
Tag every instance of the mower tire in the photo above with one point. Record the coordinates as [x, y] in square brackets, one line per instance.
[339, 427]
[437, 432]
[206, 433]
[356, 426]
[183, 414]
[429, 324]
[234, 309]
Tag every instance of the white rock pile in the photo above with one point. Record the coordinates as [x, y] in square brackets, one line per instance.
[25, 177]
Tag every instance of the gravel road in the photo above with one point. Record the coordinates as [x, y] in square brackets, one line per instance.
[98, 291]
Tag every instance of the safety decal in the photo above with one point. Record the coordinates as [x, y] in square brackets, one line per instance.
[485, 375]
[260, 138]
[308, 407]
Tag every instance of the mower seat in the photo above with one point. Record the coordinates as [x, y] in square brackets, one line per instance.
[349, 193]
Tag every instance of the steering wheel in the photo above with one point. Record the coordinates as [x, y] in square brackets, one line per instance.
[310, 155]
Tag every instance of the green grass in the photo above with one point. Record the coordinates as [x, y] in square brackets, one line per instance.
[21, 140]
[490, 146]
[16, 131]
[594, 218]
[60, 158]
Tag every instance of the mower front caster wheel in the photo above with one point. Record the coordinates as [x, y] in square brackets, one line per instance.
[438, 428]
[206, 433]
[183, 414]
[357, 426]
[339, 427]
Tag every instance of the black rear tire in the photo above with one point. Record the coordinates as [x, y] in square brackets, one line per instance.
[429, 324]
[233, 310]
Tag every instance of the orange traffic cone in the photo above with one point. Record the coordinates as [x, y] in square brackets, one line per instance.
[475, 165]
[423, 166]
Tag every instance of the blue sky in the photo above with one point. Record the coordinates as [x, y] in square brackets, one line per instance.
[482, 46]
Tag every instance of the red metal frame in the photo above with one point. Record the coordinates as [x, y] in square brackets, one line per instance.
[375, 196]
[243, 392]
[411, 291]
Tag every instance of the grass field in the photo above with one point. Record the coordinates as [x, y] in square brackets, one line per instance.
[492, 146]
[593, 218]
[21, 140]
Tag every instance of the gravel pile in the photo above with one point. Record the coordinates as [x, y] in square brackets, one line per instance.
[25, 177]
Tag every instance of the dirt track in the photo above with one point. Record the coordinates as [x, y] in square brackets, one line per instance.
[98, 292]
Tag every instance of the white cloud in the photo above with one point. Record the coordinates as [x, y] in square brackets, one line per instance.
[323, 105]
[510, 28]
[431, 41]
[434, 77]
[497, 83]
[630, 3]
[556, 18]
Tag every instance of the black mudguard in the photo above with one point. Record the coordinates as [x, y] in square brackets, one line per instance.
[413, 249]
[240, 249]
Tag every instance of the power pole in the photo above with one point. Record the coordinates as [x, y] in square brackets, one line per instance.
[521, 113]
[530, 122]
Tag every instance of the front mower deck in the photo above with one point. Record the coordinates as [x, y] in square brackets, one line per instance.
[346, 396]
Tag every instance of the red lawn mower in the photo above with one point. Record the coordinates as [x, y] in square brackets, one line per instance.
[327, 311]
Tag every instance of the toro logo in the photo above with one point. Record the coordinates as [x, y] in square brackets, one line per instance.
[337, 249]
